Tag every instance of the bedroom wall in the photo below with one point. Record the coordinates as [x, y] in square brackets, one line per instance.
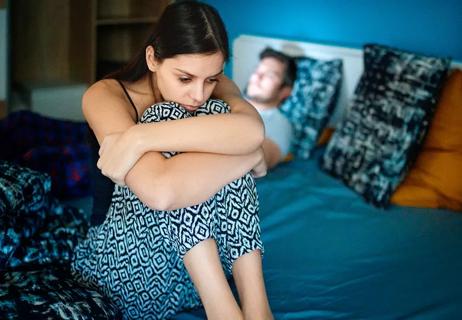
[426, 26]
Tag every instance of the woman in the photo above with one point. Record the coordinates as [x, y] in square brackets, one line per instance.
[139, 253]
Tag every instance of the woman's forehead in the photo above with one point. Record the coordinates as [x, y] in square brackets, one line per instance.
[197, 64]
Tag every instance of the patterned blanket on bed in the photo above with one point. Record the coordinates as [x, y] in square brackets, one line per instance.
[37, 237]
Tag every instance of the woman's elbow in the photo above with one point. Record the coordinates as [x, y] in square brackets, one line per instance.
[161, 200]
[257, 133]
[153, 192]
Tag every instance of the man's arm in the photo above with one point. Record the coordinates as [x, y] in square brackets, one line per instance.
[276, 144]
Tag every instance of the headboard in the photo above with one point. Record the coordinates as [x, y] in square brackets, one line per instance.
[247, 47]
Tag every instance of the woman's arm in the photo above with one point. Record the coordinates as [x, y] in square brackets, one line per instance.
[171, 184]
[161, 183]
[239, 132]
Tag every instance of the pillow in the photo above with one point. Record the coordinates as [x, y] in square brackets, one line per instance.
[386, 121]
[313, 98]
[325, 136]
[435, 180]
[22, 189]
[24, 200]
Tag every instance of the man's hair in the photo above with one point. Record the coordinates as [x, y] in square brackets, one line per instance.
[289, 62]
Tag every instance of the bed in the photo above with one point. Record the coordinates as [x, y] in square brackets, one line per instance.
[329, 254]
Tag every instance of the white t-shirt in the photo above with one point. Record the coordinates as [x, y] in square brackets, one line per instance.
[278, 129]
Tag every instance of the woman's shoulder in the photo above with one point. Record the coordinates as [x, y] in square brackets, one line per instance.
[103, 88]
[103, 92]
[104, 97]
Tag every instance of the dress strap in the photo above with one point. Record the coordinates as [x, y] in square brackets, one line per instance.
[129, 99]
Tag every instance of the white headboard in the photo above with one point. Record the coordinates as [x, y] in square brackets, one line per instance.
[246, 49]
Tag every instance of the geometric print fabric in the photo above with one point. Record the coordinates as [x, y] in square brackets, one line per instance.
[135, 255]
[386, 122]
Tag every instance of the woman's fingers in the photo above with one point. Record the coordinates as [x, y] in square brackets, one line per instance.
[101, 148]
[115, 158]
[115, 175]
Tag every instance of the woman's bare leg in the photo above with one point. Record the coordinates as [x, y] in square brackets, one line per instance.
[248, 276]
[204, 267]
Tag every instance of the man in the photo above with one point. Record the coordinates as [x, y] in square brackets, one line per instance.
[269, 85]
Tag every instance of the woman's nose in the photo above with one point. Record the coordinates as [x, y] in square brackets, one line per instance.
[198, 94]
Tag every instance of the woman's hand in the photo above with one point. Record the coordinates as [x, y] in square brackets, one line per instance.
[117, 155]
[260, 169]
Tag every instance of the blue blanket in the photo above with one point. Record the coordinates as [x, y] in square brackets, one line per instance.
[330, 255]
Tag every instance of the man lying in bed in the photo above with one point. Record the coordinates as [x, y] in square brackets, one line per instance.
[268, 86]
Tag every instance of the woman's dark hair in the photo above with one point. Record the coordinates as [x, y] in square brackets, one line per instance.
[185, 27]
[289, 62]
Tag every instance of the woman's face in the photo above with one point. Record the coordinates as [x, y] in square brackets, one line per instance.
[189, 79]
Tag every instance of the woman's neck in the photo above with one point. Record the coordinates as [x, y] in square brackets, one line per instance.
[143, 92]
[154, 88]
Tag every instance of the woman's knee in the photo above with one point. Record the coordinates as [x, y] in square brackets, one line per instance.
[213, 106]
[164, 111]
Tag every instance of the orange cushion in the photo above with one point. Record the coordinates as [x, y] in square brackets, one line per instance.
[325, 136]
[435, 180]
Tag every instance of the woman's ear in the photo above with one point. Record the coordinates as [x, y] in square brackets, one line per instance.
[151, 59]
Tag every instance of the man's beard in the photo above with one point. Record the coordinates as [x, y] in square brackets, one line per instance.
[258, 99]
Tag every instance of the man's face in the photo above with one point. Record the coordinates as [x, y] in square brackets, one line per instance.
[265, 83]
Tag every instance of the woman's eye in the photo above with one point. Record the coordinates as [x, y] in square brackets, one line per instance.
[212, 80]
[185, 80]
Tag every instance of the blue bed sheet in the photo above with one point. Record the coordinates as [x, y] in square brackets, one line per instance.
[330, 255]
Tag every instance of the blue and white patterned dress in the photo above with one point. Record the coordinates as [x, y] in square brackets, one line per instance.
[135, 255]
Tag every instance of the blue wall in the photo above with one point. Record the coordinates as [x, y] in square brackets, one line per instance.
[428, 26]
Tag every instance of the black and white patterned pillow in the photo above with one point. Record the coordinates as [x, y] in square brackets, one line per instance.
[313, 98]
[386, 122]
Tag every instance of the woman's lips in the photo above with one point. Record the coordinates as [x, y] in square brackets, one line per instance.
[190, 108]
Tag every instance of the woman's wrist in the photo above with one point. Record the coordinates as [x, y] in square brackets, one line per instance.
[136, 137]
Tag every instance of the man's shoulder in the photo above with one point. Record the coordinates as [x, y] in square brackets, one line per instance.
[271, 112]
[277, 115]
